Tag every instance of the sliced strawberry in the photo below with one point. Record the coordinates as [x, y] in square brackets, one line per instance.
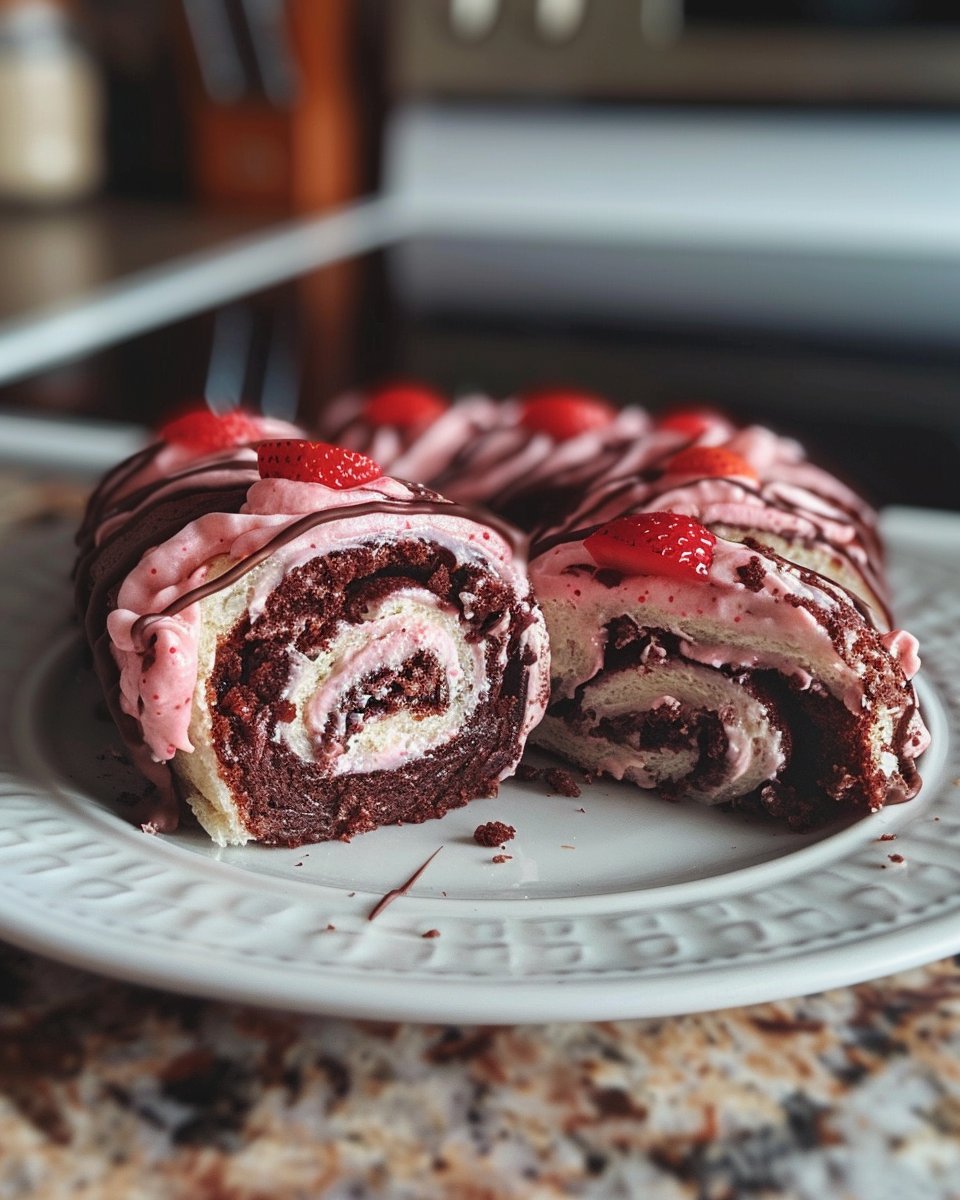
[564, 413]
[654, 543]
[315, 462]
[206, 431]
[404, 405]
[691, 422]
[710, 461]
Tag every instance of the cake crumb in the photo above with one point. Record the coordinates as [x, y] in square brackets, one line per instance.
[502, 858]
[331, 929]
[562, 781]
[887, 837]
[558, 779]
[493, 833]
[526, 774]
[431, 933]
[896, 858]
[753, 574]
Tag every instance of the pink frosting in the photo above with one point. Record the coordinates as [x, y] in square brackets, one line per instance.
[905, 648]
[418, 454]
[722, 598]
[727, 502]
[478, 450]
[428, 456]
[173, 457]
[392, 640]
[157, 688]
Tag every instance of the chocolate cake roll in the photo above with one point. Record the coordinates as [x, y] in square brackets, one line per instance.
[738, 642]
[720, 670]
[741, 484]
[717, 606]
[304, 649]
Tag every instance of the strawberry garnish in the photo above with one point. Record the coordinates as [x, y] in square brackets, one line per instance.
[563, 413]
[404, 405]
[691, 422]
[654, 543]
[710, 461]
[205, 431]
[315, 462]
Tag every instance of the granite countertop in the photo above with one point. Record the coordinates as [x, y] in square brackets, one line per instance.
[110, 1090]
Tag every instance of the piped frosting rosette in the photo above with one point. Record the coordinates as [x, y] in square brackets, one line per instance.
[327, 653]
[716, 669]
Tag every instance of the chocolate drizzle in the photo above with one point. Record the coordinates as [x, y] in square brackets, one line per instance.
[637, 496]
[318, 804]
[625, 475]
[112, 482]
[415, 507]
[397, 892]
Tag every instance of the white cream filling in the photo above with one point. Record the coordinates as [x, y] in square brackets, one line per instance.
[392, 632]
[802, 649]
[754, 746]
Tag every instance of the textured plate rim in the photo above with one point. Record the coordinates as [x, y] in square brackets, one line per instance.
[495, 998]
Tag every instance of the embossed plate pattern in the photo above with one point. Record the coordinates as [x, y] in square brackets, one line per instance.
[611, 905]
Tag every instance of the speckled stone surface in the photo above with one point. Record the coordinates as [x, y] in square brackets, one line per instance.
[121, 1093]
[115, 1092]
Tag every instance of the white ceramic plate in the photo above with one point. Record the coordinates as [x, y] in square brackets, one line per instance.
[614, 904]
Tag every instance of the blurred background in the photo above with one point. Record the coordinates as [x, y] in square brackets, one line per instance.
[746, 204]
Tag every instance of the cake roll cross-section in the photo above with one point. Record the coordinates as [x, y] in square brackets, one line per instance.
[719, 670]
[766, 672]
[317, 651]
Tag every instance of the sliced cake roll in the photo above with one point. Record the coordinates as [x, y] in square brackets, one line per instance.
[310, 649]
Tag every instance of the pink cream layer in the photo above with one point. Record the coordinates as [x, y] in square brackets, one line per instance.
[173, 457]
[479, 449]
[158, 670]
[759, 621]
[728, 502]
[419, 454]
[391, 641]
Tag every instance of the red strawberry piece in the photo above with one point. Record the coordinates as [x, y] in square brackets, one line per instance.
[404, 405]
[315, 462]
[691, 422]
[563, 413]
[206, 431]
[709, 461]
[653, 543]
